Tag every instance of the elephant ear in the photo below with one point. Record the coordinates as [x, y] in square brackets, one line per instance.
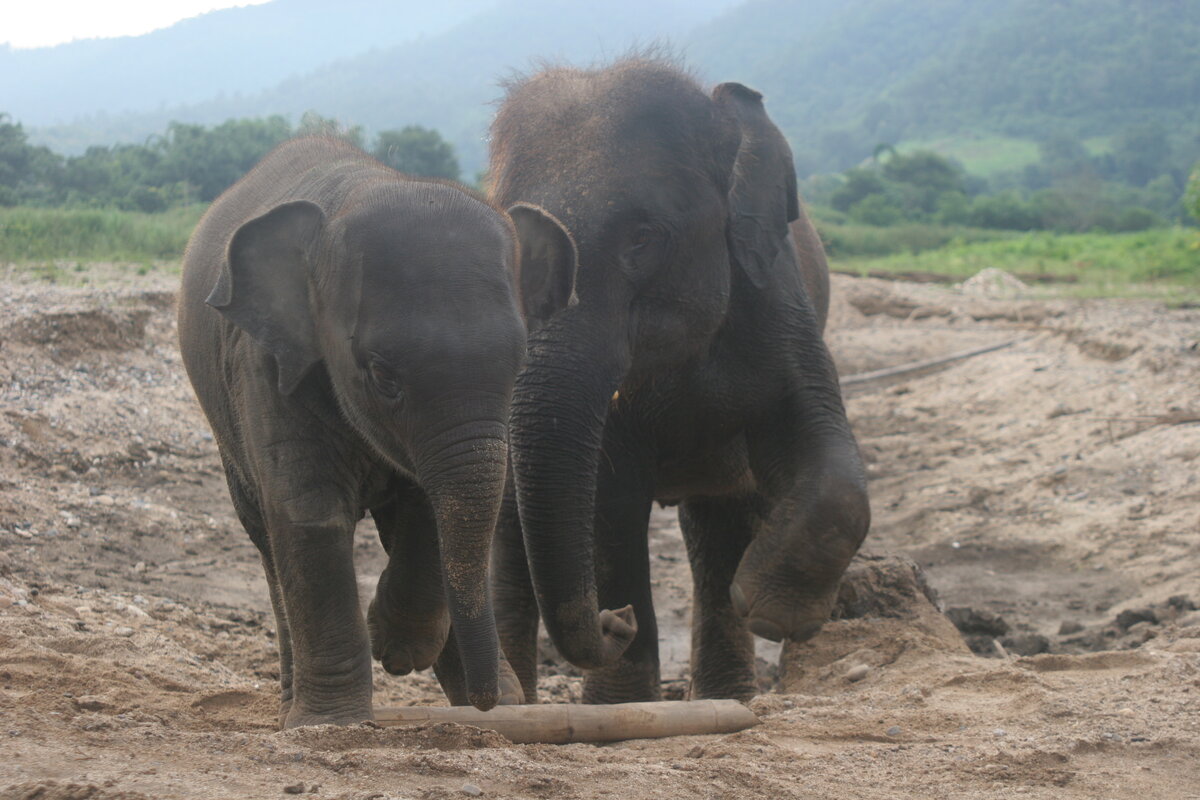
[548, 262]
[263, 286]
[763, 198]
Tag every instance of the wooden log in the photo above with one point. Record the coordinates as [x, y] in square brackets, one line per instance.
[917, 366]
[557, 723]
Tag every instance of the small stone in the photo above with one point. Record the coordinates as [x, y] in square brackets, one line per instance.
[857, 673]
[139, 566]
[103, 500]
[122, 630]
[998, 732]
[1069, 627]
[295, 788]
[91, 702]
[894, 731]
[975, 621]
[471, 789]
[1181, 602]
[1131, 616]
[1027, 644]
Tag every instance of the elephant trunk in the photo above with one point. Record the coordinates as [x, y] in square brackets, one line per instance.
[464, 479]
[560, 406]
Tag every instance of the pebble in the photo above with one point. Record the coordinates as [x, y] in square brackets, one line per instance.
[1068, 627]
[123, 631]
[1131, 616]
[295, 788]
[857, 672]
[471, 789]
[894, 731]
[999, 732]
[103, 500]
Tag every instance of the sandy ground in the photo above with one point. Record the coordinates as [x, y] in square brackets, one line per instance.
[1048, 490]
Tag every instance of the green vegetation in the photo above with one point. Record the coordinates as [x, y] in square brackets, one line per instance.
[1192, 199]
[1097, 263]
[417, 151]
[985, 156]
[188, 164]
[31, 234]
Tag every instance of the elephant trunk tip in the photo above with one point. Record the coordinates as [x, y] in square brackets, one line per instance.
[484, 701]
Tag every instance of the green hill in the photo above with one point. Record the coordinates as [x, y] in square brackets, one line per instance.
[841, 76]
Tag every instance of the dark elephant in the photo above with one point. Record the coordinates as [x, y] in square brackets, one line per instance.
[681, 362]
[353, 336]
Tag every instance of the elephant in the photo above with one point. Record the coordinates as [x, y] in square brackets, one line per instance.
[353, 336]
[680, 360]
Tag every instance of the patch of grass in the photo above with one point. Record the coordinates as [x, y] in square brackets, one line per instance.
[1161, 261]
[47, 234]
[850, 240]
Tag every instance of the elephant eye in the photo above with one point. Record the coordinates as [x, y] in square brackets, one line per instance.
[648, 247]
[643, 237]
[385, 379]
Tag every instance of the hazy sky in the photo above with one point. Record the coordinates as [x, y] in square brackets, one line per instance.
[38, 23]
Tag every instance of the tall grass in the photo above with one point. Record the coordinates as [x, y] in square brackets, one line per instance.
[28, 234]
[850, 240]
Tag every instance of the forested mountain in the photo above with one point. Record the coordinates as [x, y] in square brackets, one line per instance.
[841, 76]
[234, 51]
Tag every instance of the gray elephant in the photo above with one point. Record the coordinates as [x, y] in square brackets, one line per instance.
[680, 361]
[353, 336]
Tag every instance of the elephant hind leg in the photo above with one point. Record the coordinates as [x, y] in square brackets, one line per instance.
[717, 532]
[252, 520]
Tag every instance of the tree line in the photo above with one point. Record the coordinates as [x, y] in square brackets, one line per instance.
[1131, 187]
[188, 163]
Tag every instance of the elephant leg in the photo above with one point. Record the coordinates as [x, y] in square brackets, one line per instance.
[624, 496]
[512, 594]
[408, 619]
[252, 520]
[717, 531]
[309, 510]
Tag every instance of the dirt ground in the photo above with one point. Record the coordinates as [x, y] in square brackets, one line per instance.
[1048, 489]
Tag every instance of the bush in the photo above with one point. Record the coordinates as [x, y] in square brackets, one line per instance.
[1006, 211]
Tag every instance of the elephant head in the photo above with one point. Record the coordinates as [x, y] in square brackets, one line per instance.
[396, 313]
[671, 195]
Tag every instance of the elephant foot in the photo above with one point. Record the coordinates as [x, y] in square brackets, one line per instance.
[511, 693]
[626, 682]
[297, 717]
[402, 644]
[777, 621]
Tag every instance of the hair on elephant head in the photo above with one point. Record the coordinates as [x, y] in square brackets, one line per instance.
[353, 336]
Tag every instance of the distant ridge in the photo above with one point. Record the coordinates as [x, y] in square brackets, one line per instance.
[840, 76]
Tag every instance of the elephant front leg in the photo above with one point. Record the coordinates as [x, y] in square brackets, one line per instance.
[331, 660]
[309, 515]
[717, 531]
[515, 602]
[408, 619]
[624, 496]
